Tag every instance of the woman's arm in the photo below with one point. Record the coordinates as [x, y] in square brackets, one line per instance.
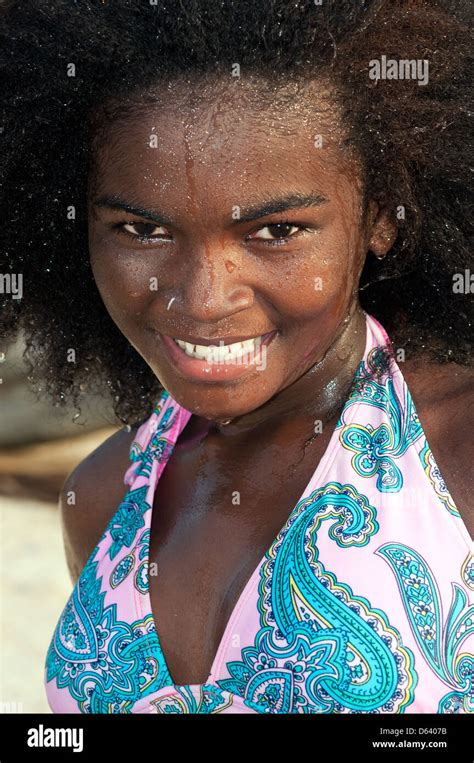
[90, 496]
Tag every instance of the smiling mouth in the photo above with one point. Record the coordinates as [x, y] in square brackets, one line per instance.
[214, 361]
[221, 352]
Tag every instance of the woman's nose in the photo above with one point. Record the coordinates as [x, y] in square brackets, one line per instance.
[214, 289]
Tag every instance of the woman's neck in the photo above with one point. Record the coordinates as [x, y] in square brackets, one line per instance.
[318, 394]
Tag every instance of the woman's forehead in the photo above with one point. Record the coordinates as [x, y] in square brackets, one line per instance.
[227, 106]
[236, 130]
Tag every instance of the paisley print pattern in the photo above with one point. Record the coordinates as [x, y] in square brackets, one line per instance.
[105, 663]
[159, 447]
[352, 658]
[434, 475]
[141, 578]
[362, 604]
[204, 700]
[376, 448]
[121, 570]
[467, 571]
[128, 520]
[127, 564]
[440, 642]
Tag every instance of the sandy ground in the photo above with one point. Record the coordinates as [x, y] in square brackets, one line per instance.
[34, 580]
[34, 586]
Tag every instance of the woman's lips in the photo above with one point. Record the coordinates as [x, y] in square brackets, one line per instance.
[222, 365]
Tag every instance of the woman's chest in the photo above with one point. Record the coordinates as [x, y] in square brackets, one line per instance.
[368, 592]
[211, 528]
[214, 520]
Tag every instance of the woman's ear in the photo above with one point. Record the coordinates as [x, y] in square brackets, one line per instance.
[382, 230]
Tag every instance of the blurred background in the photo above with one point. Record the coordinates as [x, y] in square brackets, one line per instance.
[39, 446]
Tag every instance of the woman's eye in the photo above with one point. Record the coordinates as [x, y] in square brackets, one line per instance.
[142, 231]
[273, 234]
[277, 232]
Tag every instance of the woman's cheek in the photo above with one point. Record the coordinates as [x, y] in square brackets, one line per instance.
[313, 285]
[126, 283]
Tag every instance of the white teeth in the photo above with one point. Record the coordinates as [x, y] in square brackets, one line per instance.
[199, 351]
[222, 352]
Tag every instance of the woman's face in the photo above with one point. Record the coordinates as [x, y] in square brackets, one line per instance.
[220, 216]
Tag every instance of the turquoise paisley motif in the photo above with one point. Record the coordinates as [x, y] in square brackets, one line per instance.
[433, 473]
[106, 665]
[182, 701]
[320, 648]
[128, 520]
[376, 449]
[122, 570]
[124, 567]
[440, 642]
[136, 452]
[159, 447]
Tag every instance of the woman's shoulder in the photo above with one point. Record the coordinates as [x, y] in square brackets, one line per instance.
[438, 380]
[90, 495]
[443, 394]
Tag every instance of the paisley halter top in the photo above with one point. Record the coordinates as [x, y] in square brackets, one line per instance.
[364, 602]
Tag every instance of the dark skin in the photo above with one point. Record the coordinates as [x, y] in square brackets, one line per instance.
[206, 162]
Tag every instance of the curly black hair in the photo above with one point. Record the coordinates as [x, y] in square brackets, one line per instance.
[412, 141]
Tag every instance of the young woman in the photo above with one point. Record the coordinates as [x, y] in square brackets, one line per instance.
[222, 212]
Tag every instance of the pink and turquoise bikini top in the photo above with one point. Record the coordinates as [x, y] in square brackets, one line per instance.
[364, 602]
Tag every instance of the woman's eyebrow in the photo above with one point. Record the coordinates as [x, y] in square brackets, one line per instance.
[279, 204]
[116, 202]
[260, 209]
